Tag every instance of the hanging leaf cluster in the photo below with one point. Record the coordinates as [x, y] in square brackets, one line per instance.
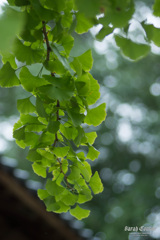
[54, 118]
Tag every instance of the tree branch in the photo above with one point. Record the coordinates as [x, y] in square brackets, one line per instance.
[52, 74]
[61, 170]
[47, 41]
[57, 114]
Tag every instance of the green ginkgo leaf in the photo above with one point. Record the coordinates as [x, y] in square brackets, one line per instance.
[96, 184]
[25, 106]
[156, 8]
[86, 60]
[79, 212]
[61, 151]
[42, 194]
[83, 24]
[8, 77]
[153, 33]
[92, 153]
[30, 82]
[130, 49]
[11, 23]
[96, 116]
[53, 189]
[39, 169]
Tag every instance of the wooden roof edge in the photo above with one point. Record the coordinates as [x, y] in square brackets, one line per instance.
[36, 205]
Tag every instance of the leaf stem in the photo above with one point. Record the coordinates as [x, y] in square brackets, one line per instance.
[21, 67]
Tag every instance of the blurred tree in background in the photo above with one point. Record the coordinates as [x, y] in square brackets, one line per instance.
[128, 140]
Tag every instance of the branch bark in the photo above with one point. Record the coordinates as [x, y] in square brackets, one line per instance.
[46, 40]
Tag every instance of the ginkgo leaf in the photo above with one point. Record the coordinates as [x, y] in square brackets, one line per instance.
[88, 86]
[84, 195]
[79, 212]
[61, 151]
[96, 184]
[8, 77]
[19, 134]
[62, 207]
[91, 136]
[42, 194]
[33, 155]
[89, 8]
[56, 5]
[93, 93]
[153, 33]
[86, 60]
[69, 199]
[83, 24]
[11, 23]
[92, 153]
[75, 173]
[85, 170]
[53, 126]
[61, 90]
[77, 118]
[8, 57]
[132, 50]
[156, 8]
[25, 106]
[39, 169]
[26, 53]
[105, 31]
[30, 82]
[96, 116]
[53, 189]
[40, 108]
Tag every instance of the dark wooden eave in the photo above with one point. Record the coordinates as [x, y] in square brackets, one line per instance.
[23, 216]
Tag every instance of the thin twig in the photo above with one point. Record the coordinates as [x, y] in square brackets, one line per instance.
[52, 74]
[57, 114]
[61, 170]
[47, 41]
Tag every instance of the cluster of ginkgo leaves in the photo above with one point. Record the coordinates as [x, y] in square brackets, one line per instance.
[54, 118]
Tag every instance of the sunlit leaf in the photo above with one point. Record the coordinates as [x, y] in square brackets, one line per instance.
[77, 118]
[153, 33]
[42, 194]
[79, 212]
[40, 108]
[8, 77]
[30, 82]
[61, 151]
[83, 24]
[26, 53]
[25, 106]
[91, 136]
[105, 31]
[130, 49]
[96, 184]
[156, 8]
[53, 189]
[11, 23]
[96, 115]
[92, 153]
[89, 8]
[86, 60]
[39, 169]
